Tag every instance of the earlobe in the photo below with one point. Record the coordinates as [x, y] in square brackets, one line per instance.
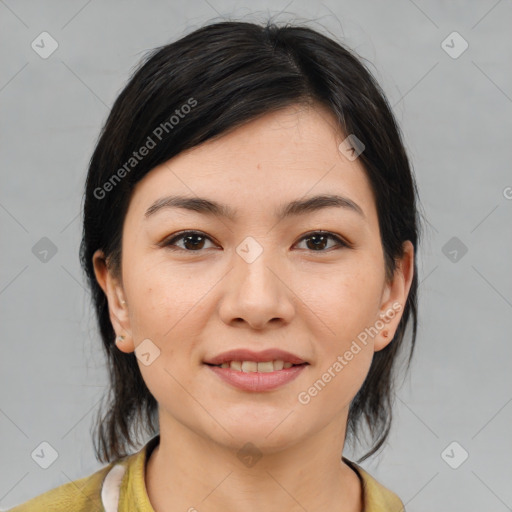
[395, 297]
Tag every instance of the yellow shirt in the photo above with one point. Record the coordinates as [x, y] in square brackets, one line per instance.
[120, 487]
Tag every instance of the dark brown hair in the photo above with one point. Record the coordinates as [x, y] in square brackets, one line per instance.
[227, 74]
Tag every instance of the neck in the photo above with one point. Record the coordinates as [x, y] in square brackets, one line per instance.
[189, 472]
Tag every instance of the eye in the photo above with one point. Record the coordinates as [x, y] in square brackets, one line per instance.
[319, 240]
[193, 241]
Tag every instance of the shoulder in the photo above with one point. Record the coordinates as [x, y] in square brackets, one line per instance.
[377, 498]
[82, 495]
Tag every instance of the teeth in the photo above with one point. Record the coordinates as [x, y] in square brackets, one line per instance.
[253, 366]
[266, 367]
[249, 366]
[278, 365]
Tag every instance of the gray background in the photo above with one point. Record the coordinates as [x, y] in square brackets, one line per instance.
[456, 115]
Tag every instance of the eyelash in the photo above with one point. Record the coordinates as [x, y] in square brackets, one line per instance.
[168, 244]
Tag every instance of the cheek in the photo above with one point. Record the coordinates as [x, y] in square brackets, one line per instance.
[163, 298]
[349, 306]
[335, 380]
[351, 299]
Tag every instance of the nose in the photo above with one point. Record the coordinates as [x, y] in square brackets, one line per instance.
[256, 294]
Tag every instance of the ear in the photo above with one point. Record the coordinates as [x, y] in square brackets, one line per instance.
[394, 297]
[117, 307]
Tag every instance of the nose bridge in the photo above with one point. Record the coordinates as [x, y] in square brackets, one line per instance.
[256, 292]
[253, 263]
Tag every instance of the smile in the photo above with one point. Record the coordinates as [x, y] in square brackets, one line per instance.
[253, 366]
[257, 376]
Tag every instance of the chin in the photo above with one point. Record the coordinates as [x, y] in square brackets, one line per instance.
[268, 437]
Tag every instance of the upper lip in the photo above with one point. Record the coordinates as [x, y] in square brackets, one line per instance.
[241, 354]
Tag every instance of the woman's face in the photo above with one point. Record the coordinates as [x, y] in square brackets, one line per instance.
[256, 280]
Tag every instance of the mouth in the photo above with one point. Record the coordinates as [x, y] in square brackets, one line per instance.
[257, 366]
[257, 377]
[252, 371]
[265, 361]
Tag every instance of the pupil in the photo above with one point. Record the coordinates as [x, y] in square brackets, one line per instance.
[316, 245]
[188, 239]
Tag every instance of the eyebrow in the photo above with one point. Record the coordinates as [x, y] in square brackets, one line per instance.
[213, 208]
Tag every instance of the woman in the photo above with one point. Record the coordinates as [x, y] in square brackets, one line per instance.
[250, 235]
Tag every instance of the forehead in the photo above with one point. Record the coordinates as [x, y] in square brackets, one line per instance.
[257, 167]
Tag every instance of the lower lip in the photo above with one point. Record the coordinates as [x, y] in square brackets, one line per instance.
[258, 381]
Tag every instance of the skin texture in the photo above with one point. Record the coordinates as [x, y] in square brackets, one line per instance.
[311, 302]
